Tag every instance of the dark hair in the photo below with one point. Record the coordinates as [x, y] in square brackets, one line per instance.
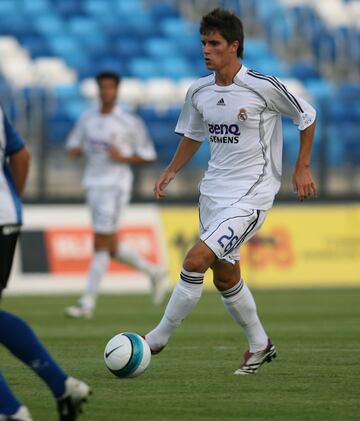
[227, 24]
[108, 75]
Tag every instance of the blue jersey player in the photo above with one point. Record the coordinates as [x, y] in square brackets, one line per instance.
[15, 334]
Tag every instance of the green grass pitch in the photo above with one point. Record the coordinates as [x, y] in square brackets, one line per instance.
[315, 377]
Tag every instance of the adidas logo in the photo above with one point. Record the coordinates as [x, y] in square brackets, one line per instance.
[221, 102]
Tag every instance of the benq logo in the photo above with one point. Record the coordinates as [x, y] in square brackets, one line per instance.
[224, 133]
[224, 129]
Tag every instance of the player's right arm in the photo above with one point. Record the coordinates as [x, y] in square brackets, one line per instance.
[19, 164]
[185, 151]
[191, 126]
[18, 155]
[75, 139]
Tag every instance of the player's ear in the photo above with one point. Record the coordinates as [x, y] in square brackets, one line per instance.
[234, 46]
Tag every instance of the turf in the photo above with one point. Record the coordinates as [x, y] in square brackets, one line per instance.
[315, 377]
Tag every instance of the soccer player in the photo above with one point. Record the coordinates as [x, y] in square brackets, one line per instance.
[111, 140]
[15, 334]
[239, 110]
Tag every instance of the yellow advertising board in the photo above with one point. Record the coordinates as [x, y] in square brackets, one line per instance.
[298, 246]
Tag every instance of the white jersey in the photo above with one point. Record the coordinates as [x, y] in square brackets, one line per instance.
[10, 203]
[96, 132]
[242, 122]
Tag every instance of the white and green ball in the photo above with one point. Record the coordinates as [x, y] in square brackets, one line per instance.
[127, 355]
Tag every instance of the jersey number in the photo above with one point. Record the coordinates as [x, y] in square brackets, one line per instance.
[227, 242]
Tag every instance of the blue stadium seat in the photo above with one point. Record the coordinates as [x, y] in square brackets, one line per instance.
[304, 71]
[128, 47]
[255, 48]
[98, 8]
[65, 46]
[160, 10]
[127, 8]
[176, 67]
[36, 45]
[82, 27]
[145, 68]
[67, 92]
[189, 46]
[68, 8]
[319, 88]
[49, 24]
[58, 128]
[9, 8]
[159, 47]
[113, 65]
[177, 27]
[16, 26]
[202, 156]
[35, 7]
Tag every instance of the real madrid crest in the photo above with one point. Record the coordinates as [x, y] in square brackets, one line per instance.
[242, 116]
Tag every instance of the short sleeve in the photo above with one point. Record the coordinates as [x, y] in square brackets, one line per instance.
[190, 122]
[76, 135]
[143, 144]
[287, 103]
[14, 141]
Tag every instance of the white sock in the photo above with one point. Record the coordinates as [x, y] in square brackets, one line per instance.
[183, 299]
[241, 305]
[98, 267]
[126, 254]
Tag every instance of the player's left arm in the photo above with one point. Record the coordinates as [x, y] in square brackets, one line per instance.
[117, 156]
[141, 144]
[302, 179]
[19, 165]
[17, 154]
[285, 102]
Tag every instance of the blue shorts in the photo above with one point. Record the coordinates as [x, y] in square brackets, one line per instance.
[8, 239]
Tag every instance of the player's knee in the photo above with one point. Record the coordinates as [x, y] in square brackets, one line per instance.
[195, 263]
[223, 283]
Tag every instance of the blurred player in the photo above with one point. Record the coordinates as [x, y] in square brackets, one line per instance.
[15, 334]
[111, 140]
[239, 110]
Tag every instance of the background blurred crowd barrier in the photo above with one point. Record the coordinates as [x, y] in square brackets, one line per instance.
[294, 248]
[51, 49]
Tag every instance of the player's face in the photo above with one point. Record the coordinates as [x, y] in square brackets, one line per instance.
[108, 90]
[217, 52]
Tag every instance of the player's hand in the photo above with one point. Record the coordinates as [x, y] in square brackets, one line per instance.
[115, 154]
[162, 182]
[303, 182]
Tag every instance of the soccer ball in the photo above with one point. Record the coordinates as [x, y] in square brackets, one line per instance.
[127, 355]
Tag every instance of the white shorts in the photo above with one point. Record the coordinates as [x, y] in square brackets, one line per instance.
[223, 230]
[106, 205]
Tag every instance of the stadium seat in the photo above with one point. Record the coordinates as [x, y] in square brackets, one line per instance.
[37, 46]
[128, 47]
[160, 10]
[131, 91]
[159, 47]
[53, 71]
[48, 25]
[9, 8]
[97, 8]
[304, 71]
[177, 67]
[111, 64]
[160, 92]
[177, 27]
[145, 68]
[35, 7]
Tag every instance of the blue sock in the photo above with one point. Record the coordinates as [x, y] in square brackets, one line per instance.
[18, 337]
[8, 402]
